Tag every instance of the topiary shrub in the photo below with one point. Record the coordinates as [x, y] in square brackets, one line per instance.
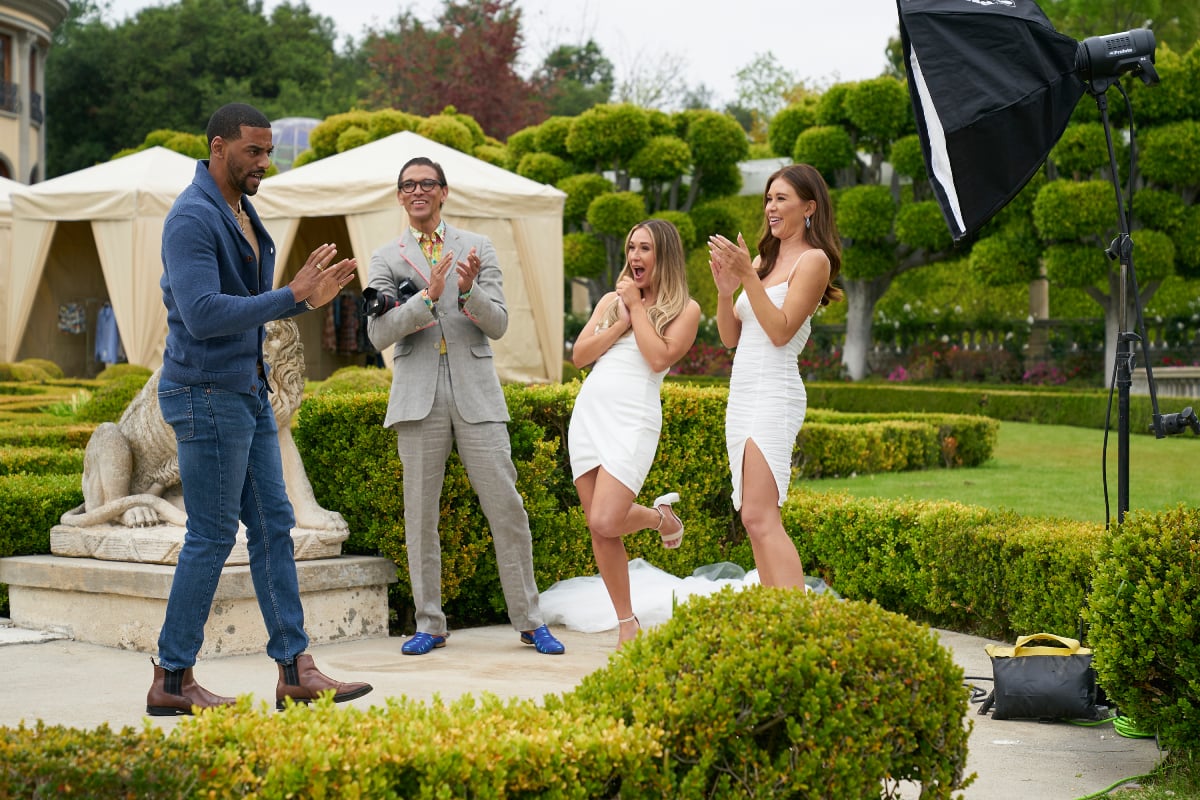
[45, 365]
[40, 461]
[349, 380]
[774, 693]
[1143, 608]
[56, 761]
[114, 371]
[108, 402]
[23, 372]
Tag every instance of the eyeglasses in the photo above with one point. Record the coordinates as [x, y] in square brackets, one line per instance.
[427, 185]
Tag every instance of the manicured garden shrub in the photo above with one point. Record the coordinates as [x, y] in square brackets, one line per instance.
[993, 573]
[108, 402]
[54, 761]
[770, 693]
[352, 463]
[52, 370]
[468, 748]
[1046, 406]
[54, 433]
[348, 380]
[40, 461]
[22, 373]
[114, 371]
[1143, 609]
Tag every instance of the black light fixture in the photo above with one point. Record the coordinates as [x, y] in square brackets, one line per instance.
[993, 86]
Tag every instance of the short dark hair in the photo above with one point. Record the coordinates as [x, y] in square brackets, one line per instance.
[422, 161]
[227, 121]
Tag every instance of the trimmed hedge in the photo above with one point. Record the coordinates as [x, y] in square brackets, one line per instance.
[352, 464]
[1081, 408]
[996, 574]
[41, 461]
[790, 694]
[770, 693]
[30, 505]
[1144, 611]
[485, 749]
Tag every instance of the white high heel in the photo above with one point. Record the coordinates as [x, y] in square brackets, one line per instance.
[673, 540]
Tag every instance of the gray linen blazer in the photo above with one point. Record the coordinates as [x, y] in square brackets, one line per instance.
[417, 333]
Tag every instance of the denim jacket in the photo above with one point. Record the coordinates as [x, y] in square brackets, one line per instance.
[218, 296]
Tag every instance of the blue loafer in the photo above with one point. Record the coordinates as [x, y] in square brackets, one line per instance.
[544, 641]
[421, 643]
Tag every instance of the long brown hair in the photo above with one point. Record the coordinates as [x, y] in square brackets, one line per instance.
[823, 233]
[670, 275]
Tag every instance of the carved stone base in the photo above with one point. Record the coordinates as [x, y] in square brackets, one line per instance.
[160, 544]
[122, 605]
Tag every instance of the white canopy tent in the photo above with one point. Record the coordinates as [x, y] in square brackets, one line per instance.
[93, 236]
[7, 187]
[350, 199]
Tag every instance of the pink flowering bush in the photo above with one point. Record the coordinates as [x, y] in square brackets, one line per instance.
[704, 359]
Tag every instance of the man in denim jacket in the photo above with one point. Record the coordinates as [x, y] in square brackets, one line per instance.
[218, 273]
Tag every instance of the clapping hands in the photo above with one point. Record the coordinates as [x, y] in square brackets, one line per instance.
[730, 263]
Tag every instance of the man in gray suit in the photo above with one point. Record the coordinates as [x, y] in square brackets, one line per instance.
[436, 293]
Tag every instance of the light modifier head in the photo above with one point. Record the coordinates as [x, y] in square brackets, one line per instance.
[1101, 58]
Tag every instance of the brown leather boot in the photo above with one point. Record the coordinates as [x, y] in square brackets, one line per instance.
[303, 682]
[175, 692]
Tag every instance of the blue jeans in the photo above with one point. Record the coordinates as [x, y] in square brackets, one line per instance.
[230, 467]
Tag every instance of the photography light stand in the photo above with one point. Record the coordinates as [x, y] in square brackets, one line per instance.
[1121, 250]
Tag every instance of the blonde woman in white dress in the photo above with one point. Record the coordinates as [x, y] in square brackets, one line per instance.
[634, 336]
[799, 257]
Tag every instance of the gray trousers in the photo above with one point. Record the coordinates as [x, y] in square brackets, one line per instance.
[485, 451]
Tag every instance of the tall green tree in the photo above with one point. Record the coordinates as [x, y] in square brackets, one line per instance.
[1067, 229]
[888, 226]
[762, 87]
[619, 163]
[170, 66]
[575, 77]
[1176, 23]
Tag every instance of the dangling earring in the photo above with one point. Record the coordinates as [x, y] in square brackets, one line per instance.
[808, 223]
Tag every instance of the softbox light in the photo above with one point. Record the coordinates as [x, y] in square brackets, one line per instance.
[993, 87]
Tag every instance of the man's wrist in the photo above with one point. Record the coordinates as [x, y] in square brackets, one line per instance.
[309, 306]
[430, 303]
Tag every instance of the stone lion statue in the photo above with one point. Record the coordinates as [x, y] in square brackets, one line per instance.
[131, 467]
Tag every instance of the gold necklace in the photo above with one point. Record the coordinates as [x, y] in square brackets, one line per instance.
[241, 216]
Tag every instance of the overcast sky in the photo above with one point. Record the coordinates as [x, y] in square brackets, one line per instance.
[818, 41]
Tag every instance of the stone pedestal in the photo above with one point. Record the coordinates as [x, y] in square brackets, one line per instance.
[121, 604]
[160, 544]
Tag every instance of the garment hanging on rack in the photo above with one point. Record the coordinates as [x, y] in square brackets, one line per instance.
[72, 318]
[108, 338]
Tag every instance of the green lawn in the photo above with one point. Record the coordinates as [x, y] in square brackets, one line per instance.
[1049, 470]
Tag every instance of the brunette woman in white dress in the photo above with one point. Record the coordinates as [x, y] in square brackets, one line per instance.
[799, 257]
[634, 336]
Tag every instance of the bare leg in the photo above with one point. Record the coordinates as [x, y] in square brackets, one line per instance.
[611, 513]
[774, 552]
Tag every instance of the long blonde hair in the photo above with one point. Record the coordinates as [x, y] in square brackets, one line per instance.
[670, 275]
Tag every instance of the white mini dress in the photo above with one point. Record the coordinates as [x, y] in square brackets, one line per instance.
[617, 416]
[767, 400]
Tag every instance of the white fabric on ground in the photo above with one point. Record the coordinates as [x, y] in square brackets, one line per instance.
[582, 604]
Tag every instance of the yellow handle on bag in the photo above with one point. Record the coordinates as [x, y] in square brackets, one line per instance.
[1056, 646]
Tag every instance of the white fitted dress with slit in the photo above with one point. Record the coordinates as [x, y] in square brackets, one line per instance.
[617, 416]
[767, 400]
